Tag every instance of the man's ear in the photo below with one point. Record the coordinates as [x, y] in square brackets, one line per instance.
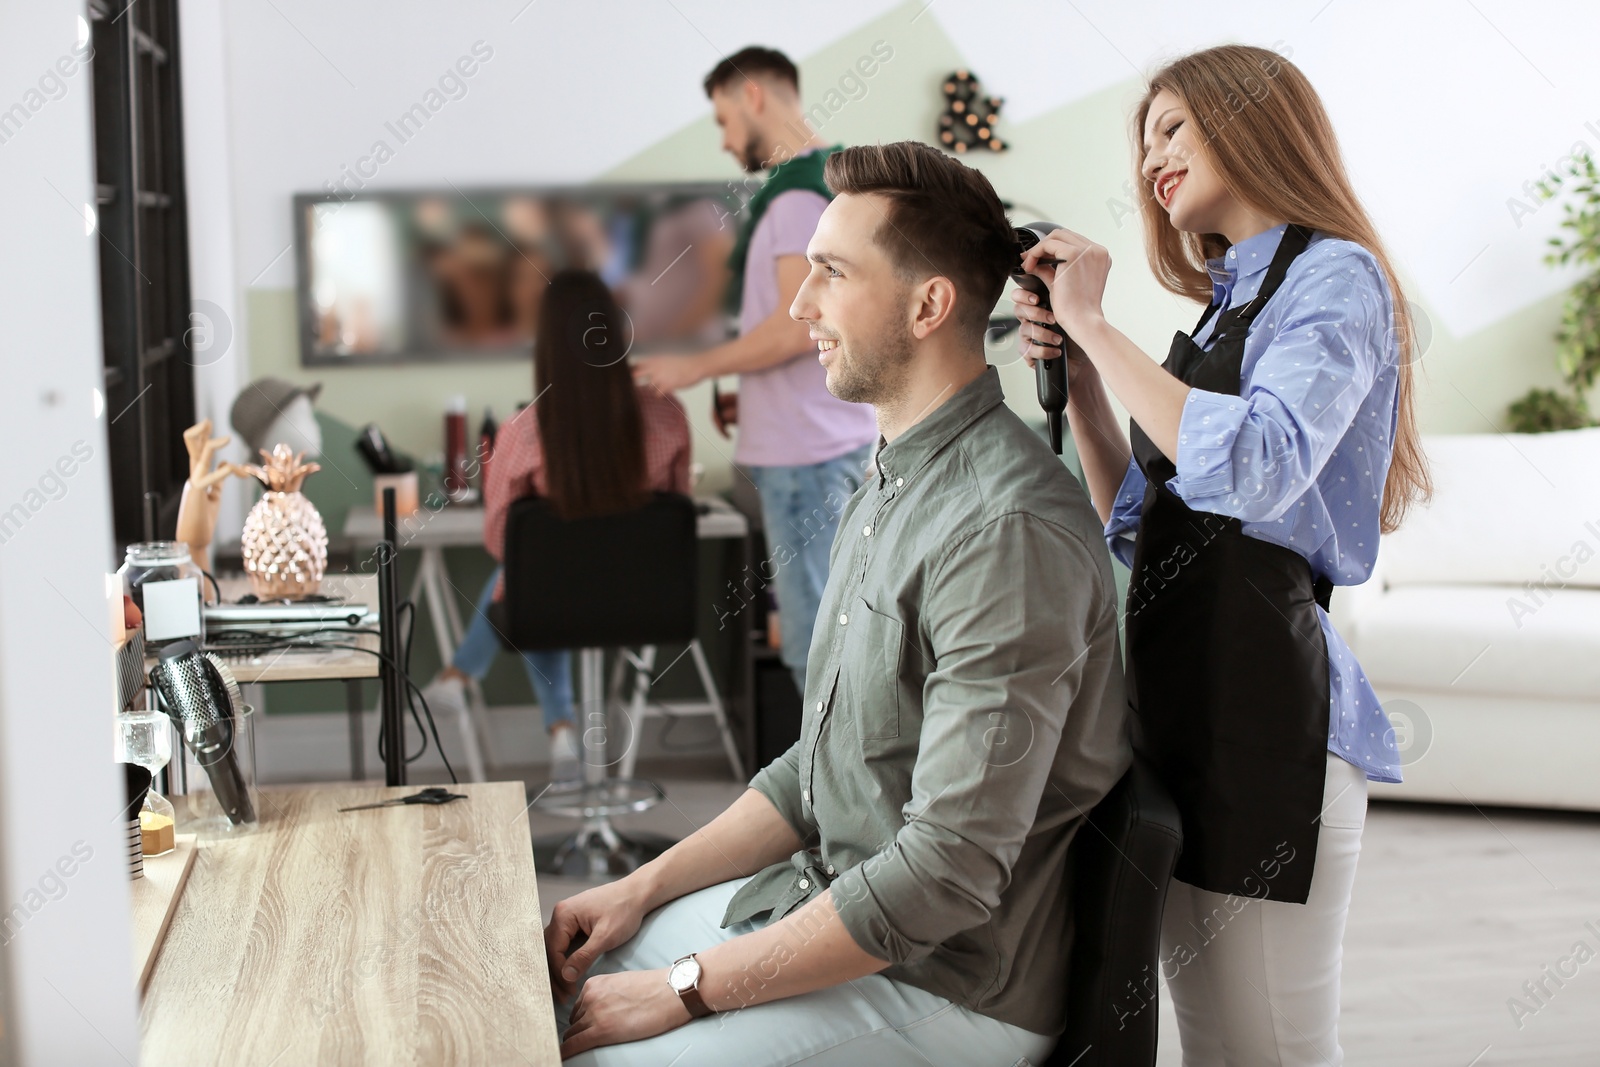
[755, 96]
[935, 306]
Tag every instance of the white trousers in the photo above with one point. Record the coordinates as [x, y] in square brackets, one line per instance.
[1256, 982]
[874, 1021]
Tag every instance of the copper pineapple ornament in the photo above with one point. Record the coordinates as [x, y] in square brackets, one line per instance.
[285, 544]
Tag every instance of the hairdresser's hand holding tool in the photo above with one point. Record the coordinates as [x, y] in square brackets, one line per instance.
[1075, 269]
[1154, 398]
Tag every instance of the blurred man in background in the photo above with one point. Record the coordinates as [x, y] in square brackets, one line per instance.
[805, 449]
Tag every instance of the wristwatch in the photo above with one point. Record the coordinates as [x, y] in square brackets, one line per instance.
[684, 978]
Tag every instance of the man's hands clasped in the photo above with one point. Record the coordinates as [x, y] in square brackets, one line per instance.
[612, 1008]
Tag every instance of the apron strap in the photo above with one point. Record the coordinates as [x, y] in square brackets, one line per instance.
[1294, 241]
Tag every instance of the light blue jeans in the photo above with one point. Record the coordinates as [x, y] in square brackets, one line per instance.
[800, 509]
[872, 1020]
[550, 672]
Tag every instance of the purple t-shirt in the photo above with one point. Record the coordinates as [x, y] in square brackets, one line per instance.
[787, 417]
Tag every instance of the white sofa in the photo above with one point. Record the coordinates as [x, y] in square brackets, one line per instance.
[1480, 629]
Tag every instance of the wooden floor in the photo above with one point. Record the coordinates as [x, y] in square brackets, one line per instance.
[1454, 910]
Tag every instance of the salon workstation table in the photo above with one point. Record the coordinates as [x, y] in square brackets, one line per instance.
[430, 532]
[350, 665]
[401, 935]
[457, 526]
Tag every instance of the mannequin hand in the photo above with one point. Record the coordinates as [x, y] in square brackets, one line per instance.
[202, 447]
[1078, 282]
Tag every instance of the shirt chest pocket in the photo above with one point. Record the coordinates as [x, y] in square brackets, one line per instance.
[873, 649]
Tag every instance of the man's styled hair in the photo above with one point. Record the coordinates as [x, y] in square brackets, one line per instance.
[943, 218]
[749, 63]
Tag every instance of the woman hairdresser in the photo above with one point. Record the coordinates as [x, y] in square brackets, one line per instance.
[1267, 452]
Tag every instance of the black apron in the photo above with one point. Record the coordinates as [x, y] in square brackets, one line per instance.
[1228, 669]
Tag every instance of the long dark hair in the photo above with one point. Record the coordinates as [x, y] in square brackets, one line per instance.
[1273, 146]
[586, 402]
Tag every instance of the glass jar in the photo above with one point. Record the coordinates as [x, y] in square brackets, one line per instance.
[194, 797]
[167, 588]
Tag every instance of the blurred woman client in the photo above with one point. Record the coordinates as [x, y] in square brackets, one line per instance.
[592, 443]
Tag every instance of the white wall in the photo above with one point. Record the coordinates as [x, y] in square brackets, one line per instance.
[1444, 109]
[1447, 111]
[217, 319]
[68, 954]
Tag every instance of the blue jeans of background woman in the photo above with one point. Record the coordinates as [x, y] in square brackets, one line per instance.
[549, 672]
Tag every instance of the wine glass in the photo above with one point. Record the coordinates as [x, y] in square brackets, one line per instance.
[144, 738]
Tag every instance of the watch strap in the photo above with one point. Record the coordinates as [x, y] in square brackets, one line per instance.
[698, 1008]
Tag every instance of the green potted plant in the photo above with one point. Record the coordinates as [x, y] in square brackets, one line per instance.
[1578, 351]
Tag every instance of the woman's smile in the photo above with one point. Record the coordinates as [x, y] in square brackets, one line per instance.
[1168, 184]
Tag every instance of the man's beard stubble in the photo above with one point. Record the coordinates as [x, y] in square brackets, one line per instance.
[877, 378]
[754, 155]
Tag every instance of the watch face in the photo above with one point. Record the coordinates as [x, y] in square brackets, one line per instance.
[684, 974]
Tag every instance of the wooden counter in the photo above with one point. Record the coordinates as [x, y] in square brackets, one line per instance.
[403, 935]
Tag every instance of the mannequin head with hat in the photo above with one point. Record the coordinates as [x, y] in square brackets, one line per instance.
[271, 411]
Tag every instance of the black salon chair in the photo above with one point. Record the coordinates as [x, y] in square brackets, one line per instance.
[1122, 862]
[614, 582]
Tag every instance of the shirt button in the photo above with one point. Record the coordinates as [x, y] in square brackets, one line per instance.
[805, 795]
[843, 619]
[899, 481]
[831, 871]
[805, 883]
[866, 531]
[819, 705]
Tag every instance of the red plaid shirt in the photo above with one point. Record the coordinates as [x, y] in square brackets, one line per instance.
[517, 466]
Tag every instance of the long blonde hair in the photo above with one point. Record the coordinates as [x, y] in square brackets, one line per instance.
[1265, 131]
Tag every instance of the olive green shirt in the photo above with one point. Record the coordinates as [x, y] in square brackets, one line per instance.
[964, 711]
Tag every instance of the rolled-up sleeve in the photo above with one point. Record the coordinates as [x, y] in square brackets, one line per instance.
[1008, 615]
[1253, 455]
[779, 782]
[1126, 507]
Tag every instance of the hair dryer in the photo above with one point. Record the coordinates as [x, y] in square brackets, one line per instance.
[375, 450]
[202, 698]
[1049, 375]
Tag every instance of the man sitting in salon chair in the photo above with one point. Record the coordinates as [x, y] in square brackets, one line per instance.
[892, 890]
